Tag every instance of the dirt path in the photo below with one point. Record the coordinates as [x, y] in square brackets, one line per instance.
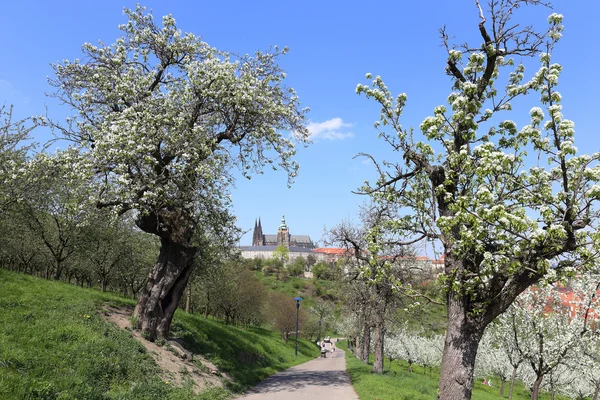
[323, 378]
[175, 368]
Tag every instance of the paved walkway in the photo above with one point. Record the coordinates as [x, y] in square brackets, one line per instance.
[323, 378]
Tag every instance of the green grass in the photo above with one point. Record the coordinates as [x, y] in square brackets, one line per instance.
[309, 289]
[54, 344]
[248, 355]
[399, 384]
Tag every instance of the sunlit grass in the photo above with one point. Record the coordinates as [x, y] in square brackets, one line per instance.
[56, 344]
[399, 384]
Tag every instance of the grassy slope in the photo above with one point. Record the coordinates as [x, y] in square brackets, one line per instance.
[399, 384]
[311, 290]
[55, 344]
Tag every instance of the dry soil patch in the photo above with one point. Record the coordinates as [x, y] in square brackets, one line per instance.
[173, 360]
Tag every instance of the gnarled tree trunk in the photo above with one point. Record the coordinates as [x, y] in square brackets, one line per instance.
[460, 350]
[166, 284]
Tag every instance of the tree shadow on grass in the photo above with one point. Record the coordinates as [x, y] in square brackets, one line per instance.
[248, 356]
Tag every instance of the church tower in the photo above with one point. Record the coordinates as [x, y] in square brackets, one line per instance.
[257, 236]
[283, 234]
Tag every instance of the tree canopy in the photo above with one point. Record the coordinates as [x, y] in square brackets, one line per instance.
[160, 119]
[472, 181]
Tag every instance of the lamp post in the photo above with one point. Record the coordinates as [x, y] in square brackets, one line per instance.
[298, 299]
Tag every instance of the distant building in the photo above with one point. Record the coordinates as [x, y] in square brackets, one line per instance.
[263, 246]
[282, 238]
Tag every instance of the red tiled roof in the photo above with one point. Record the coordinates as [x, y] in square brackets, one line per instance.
[331, 250]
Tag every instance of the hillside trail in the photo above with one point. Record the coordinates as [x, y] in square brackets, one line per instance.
[173, 360]
[322, 378]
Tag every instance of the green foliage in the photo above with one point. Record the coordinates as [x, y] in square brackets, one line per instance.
[231, 291]
[297, 267]
[323, 270]
[317, 298]
[281, 253]
[272, 266]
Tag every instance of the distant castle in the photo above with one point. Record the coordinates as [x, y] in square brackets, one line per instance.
[264, 247]
[283, 237]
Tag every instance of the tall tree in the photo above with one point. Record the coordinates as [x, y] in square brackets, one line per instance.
[380, 264]
[470, 184]
[161, 118]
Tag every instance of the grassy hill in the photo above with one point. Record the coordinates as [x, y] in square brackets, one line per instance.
[55, 343]
[310, 290]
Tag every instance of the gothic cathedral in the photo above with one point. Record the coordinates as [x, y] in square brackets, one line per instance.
[283, 237]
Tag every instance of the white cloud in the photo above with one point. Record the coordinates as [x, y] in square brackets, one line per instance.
[333, 129]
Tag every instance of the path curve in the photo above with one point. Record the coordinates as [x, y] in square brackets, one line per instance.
[322, 378]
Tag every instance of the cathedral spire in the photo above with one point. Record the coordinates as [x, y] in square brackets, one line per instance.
[283, 225]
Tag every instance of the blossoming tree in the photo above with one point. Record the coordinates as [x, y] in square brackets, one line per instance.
[501, 219]
[160, 119]
[379, 270]
[491, 361]
[548, 331]
[13, 151]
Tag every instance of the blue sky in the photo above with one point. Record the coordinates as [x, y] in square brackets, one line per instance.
[332, 45]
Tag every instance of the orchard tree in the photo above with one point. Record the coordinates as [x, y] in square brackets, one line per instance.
[379, 263]
[160, 119]
[282, 310]
[105, 248]
[405, 346]
[58, 208]
[14, 145]
[472, 185]
[547, 331]
[492, 360]
[430, 351]
[503, 336]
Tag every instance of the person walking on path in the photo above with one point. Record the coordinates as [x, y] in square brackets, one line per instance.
[322, 378]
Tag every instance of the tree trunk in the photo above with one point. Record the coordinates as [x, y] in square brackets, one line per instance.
[188, 301]
[166, 283]
[59, 269]
[460, 349]
[206, 309]
[535, 390]
[597, 392]
[409, 365]
[502, 381]
[379, 342]
[366, 344]
[512, 381]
